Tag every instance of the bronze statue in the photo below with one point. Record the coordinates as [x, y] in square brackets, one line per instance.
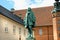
[56, 6]
[29, 21]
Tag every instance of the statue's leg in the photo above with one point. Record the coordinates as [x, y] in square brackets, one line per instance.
[30, 35]
[30, 31]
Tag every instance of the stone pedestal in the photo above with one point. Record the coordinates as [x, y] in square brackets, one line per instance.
[56, 20]
[30, 38]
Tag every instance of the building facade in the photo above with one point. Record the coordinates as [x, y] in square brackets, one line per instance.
[47, 24]
[11, 26]
[44, 24]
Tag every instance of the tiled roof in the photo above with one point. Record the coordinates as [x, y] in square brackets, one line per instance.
[43, 15]
[10, 15]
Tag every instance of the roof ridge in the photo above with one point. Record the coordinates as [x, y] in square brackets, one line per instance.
[10, 15]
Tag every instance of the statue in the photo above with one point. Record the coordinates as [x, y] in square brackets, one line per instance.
[56, 6]
[29, 22]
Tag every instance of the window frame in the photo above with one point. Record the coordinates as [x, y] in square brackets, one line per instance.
[6, 29]
[14, 29]
[19, 30]
[40, 32]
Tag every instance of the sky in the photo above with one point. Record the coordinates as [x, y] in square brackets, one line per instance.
[7, 4]
[24, 4]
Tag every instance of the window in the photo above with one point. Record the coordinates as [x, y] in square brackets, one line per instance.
[6, 29]
[19, 30]
[40, 31]
[14, 29]
[58, 22]
[19, 38]
[59, 35]
[59, 28]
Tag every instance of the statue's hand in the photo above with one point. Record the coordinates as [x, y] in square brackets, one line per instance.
[25, 26]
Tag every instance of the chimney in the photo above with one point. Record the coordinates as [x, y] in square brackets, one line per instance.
[12, 10]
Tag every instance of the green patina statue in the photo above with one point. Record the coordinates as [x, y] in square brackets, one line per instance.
[29, 22]
[56, 6]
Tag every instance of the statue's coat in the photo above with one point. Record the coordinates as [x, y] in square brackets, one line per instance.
[29, 19]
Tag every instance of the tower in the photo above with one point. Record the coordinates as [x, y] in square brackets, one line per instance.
[56, 20]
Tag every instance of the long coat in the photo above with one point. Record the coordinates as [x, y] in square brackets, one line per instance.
[29, 19]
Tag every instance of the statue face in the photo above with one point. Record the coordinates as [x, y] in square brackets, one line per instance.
[29, 9]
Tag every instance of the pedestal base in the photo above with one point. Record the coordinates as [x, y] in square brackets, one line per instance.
[30, 38]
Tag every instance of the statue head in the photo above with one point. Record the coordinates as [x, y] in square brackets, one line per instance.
[29, 9]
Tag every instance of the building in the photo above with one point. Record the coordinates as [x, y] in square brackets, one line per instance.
[11, 26]
[44, 24]
[47, 24]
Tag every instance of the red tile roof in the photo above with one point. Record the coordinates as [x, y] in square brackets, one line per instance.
[43, 15]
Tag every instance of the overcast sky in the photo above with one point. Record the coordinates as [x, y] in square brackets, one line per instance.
[24, 4]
